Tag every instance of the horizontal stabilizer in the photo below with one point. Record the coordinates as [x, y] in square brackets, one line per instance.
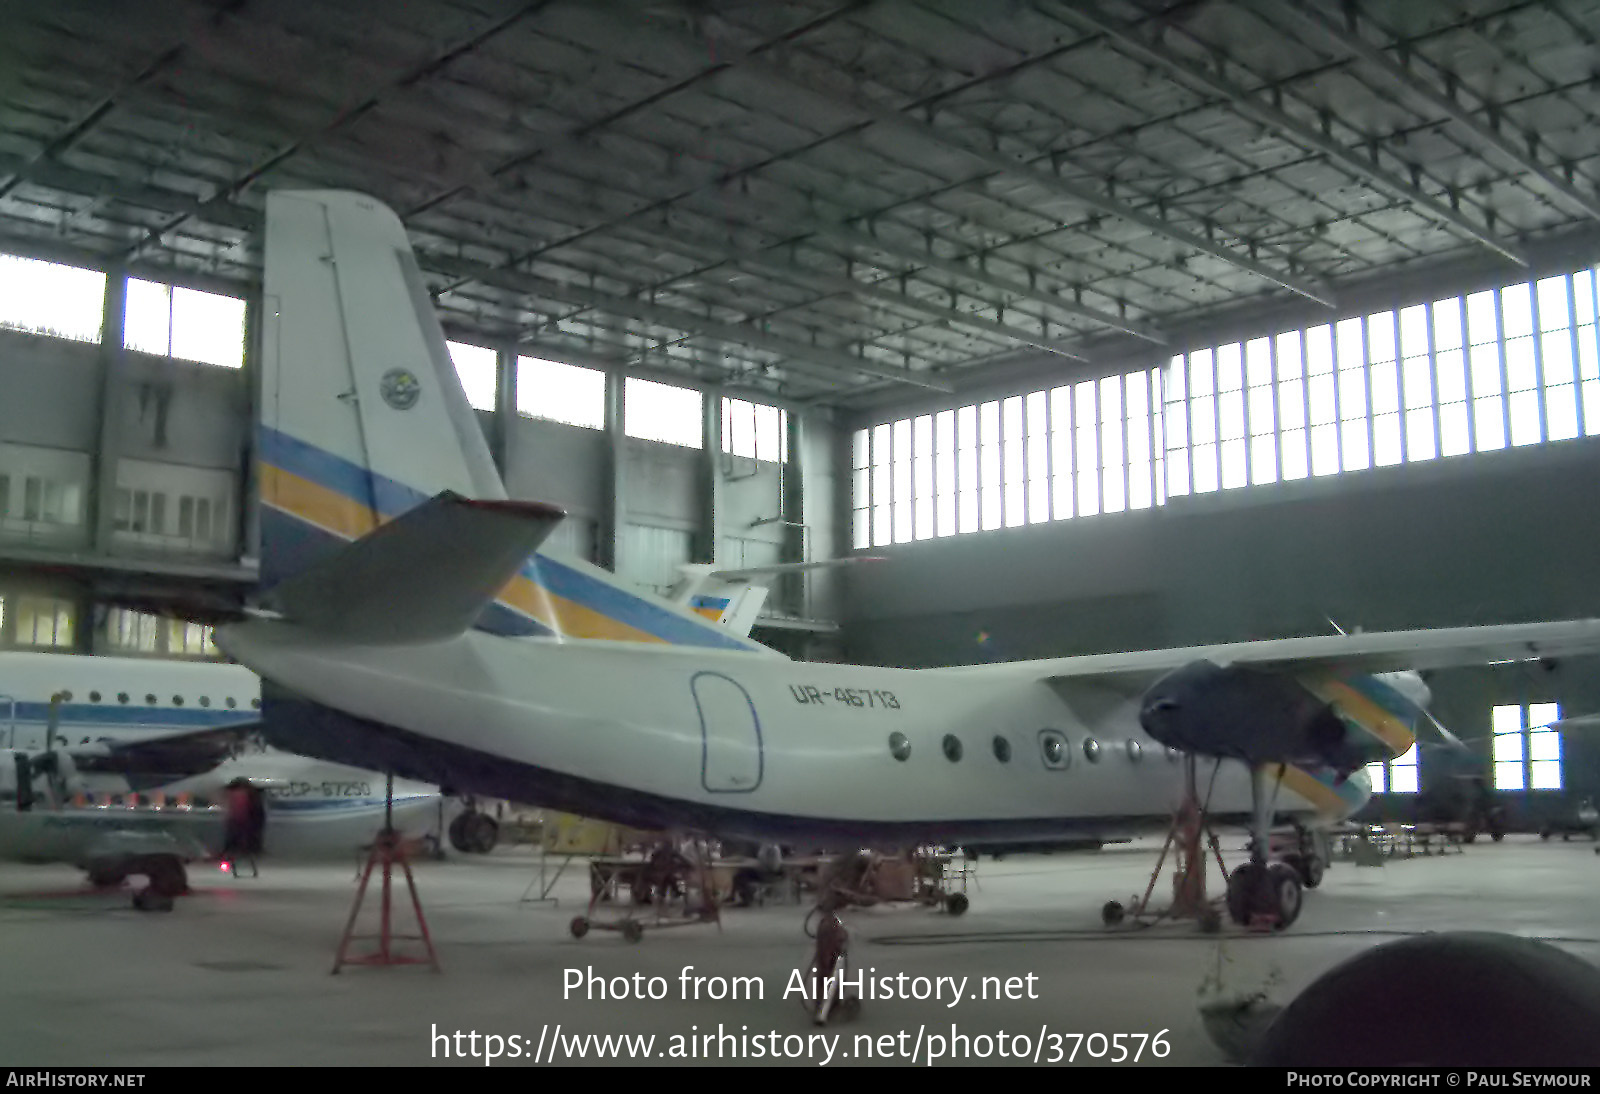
[425, 576]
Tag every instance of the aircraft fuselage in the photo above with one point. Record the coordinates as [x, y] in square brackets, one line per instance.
[734, 744]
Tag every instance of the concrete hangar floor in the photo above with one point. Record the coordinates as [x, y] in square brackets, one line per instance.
[238, 973]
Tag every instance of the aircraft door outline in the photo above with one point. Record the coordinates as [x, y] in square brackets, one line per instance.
[732, 753]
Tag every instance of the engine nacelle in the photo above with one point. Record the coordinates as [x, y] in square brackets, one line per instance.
[1246, 714]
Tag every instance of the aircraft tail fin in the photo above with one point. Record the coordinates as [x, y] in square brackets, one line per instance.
[733, 598]
[363, 418]
[425, 576]
[362, 415]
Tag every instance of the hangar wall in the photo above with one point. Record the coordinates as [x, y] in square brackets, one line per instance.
[165, 442]
[1484, 538]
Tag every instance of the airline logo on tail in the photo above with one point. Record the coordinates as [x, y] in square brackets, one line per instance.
[363, 418]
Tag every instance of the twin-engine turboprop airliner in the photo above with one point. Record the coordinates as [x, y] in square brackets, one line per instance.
[393, 652]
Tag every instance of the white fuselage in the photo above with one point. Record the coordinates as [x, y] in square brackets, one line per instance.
[749, 745]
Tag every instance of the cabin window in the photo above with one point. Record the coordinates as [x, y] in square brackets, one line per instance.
[122, 697]
[1091, 750]
[177, 700]
[1135, 751]
[256, 703]
[232, 702]
[1002, 749]
[1053, 749]
[205, 700]
[151, 699]
[952, 748]
[899, 747]
[94, 697]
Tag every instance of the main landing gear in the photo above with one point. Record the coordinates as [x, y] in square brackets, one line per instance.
[474, 832]
[1263, 894]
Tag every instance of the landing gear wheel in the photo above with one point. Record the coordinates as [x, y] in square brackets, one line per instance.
[1309, 867]
[1544, 833]
[1272, 891]
[956, 903]
[579, 926]
[1287, 897]
[458, 833]
[1244, 886]
[1111, 914]
[482, 833]
[632, 931]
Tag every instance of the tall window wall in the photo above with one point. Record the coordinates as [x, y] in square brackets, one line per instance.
[1505, 367]
[172, 321]
[1527, 750]
[49, 298]
[755, 431]
[1070, 451]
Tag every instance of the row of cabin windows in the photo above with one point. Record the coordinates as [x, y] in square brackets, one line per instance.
[177, 700]
[1054, 749]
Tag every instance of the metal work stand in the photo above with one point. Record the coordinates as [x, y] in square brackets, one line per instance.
[1188, 839]
[545, 882]
[387, 851]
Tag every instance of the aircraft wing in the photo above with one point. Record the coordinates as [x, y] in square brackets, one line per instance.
[1361, 652]
[176, 755]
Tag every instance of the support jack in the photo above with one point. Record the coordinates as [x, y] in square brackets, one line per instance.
[1191, 843]
[388, 851]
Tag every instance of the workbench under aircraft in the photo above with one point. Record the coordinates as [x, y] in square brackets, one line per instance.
[439, 645]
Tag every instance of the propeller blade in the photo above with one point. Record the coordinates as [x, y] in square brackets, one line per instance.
[1449, 738]
[1579, 721]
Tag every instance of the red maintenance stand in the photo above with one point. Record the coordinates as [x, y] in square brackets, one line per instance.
[388, 849]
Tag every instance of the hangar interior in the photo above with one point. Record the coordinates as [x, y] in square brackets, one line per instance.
[1112, 326]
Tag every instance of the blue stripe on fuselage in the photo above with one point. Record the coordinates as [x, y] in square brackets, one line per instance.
[131, 716]
[390, 498]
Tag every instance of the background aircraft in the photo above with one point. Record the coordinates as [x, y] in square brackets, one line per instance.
[185, 730]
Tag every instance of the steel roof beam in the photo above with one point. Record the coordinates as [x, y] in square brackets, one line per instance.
[1076, 192]
[1445, 101]
[754, 260]
[795, 355]
[956, 268]
[434, 64]
[1245, 102]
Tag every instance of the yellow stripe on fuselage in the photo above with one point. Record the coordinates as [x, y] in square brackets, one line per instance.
[325, 508]
[567, 617]
[342, 516]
